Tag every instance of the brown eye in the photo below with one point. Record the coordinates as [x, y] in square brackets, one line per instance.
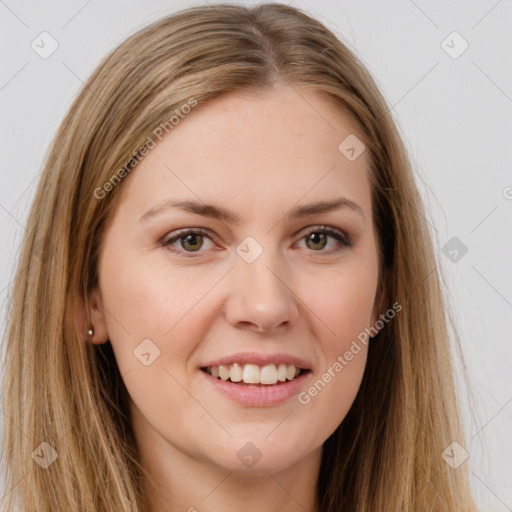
[190, 241]
[318, 238]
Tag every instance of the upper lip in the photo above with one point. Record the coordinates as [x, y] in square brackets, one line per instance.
[260, 360]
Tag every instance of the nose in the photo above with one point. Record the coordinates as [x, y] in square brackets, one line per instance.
[261, 296]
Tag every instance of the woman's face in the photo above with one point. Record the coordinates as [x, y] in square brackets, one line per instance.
[264, 287]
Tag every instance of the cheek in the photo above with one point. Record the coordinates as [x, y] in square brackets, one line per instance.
[146, 301]
[154, 324]
[343, 315]
[331, 395]
[344, 304]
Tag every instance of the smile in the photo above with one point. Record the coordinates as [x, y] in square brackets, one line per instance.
[268, 375]
[256, 394]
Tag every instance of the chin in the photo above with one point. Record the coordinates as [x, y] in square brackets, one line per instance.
[260, 455]
[268, 463]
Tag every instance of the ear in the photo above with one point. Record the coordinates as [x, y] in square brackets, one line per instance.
[95, 319]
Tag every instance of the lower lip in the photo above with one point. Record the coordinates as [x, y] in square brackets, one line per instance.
[258, 395]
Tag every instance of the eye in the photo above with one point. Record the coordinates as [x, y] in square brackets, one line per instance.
[191, 240]
[318, 237]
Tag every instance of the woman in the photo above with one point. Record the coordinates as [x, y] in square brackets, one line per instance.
[227, 294]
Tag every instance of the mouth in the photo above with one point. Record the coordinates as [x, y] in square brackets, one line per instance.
[254, 375]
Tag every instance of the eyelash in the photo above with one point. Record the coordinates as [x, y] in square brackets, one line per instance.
[338, 235]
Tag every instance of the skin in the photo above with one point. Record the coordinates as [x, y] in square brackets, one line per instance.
[259, 156]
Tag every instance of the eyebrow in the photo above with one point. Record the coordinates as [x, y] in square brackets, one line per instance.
[223, 214]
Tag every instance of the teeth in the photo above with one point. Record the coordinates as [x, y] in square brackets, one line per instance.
[254, 374]
[268, 374]
[281, 373]
[224, 372]
[290, 372]
[251, 374]
[235, 373]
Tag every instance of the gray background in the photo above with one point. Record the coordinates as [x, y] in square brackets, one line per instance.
[454, 113]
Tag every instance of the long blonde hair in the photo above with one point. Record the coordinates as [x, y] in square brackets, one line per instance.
[386, 456]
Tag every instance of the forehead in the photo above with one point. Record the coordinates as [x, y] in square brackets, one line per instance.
[254, 149]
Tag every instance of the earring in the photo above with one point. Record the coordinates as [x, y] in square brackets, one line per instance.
[90, 332]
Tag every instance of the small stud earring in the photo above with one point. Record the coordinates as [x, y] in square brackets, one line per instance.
[90, 332]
